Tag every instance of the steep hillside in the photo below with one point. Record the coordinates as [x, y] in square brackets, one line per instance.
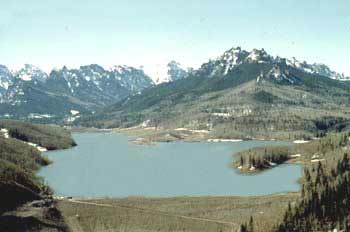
[27, 203]
[239, 95]
[325, 189]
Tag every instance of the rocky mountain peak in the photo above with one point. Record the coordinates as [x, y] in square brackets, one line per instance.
[259, 56]
[30, 72]
[176, 71]
[236, 56]
[6, 78]
[132, 78]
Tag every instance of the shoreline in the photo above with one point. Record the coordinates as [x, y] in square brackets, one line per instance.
[151, 135]
[132, 131]
[264, 158]
[276, 194]
[256, 171]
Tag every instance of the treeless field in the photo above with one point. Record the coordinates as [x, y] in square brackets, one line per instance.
[175, 214]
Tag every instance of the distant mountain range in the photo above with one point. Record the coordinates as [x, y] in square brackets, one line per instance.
[30, 93]
[240, 94]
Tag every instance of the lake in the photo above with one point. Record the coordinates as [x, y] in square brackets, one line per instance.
[110, 165]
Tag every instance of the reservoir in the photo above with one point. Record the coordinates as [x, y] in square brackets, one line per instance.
[110, 165]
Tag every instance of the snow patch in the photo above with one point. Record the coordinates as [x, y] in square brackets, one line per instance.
[74, 112]
[224, 140]
[193, 131]
[224, 115]
[4, 85]
[300, 141]
[39, 148]
[38, 116]
[146, 123]
[5, 133]
[314, 157]
[317, 160]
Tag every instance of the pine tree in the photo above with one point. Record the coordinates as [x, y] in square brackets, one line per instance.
[251, 225]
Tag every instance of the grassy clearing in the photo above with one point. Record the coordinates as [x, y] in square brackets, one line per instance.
[267, 212]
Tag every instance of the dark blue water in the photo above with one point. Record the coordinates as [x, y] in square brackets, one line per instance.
[109, 165]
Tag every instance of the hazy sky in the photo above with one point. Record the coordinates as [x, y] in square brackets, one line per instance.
[151, 33]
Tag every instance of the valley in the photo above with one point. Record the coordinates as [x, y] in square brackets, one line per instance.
[210, 149]
[174, 116]
[166, 213]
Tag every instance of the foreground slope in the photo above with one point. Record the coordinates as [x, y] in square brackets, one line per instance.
[26, 202]
[239, 95]
[200, 214]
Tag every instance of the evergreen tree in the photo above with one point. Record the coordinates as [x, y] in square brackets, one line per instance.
[251, 225]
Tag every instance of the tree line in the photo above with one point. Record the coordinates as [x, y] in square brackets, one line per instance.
[325, 203]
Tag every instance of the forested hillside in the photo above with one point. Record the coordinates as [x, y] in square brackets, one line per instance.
[261, 98]
[325, 191]
[325, 203]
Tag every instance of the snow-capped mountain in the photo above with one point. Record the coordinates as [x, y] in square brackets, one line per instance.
[321, 69]
[31, 73]
[175, 71]
[278, 73]
[30, 91]
[131, 78]
[259, 56]
[85, 84]
[6, 78]
[96, 78]
[234, 57]
[231, 58]
[251, 87]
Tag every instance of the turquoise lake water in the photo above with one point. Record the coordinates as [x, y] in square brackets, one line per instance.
[110, 165]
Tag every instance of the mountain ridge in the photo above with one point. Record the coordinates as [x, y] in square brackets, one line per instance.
[31, 94]
[236, 55]
[29, 90]
[238, 95]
